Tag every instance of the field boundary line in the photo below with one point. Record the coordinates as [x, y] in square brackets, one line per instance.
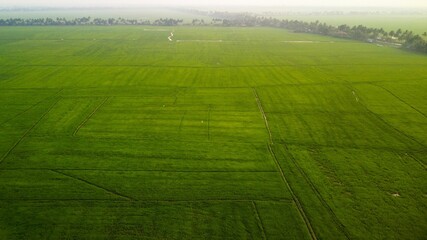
[417, 160]
[90, 116]
[400, 99]
[290, 201]
[210, 67]
[140, 170]
[284, 179]
[318, 195]
[294, 197]
[261, 109]
[92, 184]
[28, 131]
[31, 107]
[378, 117]
[259, 221]
[352, 147]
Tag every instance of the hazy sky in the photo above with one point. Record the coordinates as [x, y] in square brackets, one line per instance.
[339, 3]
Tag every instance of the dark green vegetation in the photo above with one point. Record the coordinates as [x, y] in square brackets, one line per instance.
[225, 133]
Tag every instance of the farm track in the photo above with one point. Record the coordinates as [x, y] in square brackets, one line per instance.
[261, 109]
[28, 131]
[259, 221]
[316, 191]
[294, 197]
[284, 179]
[90, 115]
[94, 185]
[319, 196]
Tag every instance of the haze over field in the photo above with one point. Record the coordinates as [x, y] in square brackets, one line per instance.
[339, 3]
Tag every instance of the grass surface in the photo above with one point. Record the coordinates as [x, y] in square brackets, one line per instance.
[115, 132]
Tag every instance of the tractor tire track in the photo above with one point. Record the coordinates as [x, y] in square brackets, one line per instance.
[279, 168]
[379, 118]
[261, 109]
[28, 131]
[400, 99]
[319, 195]
[93, 184]
[90, 116]
[258, 218]
[294, 197]
[31, 107]
[417, 160]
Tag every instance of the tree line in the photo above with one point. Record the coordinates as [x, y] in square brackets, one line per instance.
[87, 21]
[399, 38]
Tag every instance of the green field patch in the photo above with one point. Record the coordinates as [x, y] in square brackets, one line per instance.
[45, 185]
[81, 153]
[118, 133]
[281, 220]
[67, 116]
[129, 220]
[338, 129]
[368, 188]
[398, 113]
[336, 98]
[204, 120]
[12, 109]
[410, 93]
[188, 185]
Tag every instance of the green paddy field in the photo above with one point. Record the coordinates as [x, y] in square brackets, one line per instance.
[224, 133]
